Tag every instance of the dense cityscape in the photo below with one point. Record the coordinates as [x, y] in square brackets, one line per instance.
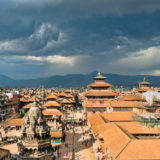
[79, 80]
[99, 122]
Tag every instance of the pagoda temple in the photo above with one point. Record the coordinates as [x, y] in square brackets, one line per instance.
[144, 83]
[144, 86]
[35, 141]
[97, 98]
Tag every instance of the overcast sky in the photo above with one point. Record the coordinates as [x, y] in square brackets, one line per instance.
[40, 38]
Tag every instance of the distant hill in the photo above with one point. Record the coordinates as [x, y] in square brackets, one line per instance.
[78, 80]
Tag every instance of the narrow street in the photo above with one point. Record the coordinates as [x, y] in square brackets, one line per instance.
[81, 151]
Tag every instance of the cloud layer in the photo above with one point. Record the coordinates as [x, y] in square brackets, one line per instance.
[49, 37]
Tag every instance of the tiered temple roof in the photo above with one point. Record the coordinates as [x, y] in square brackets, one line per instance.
[144, 83]
[104, 93]
[51, 112]
[51, 96]
[99, 82]
[98, 96]
[131, 97]
[144, 86]
[100, 88]
[52, 104]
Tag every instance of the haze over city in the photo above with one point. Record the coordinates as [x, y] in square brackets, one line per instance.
[40, 38]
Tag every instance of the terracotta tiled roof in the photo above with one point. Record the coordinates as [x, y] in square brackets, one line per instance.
[69, 96]
[23, 100]
[115, 139]
[121, 144]
[62, 94]
[50, 112]
[27, 106]
[131, 97]
[100, 84]
[27, 95]
[123, 147]
[143, 149]
[125, 104]
[96, 123]
[67, 91]
[51, 96]
[52, 103]
[55, 134]
[28, 100]
[95, 119]
[136, 128]
[144, 89]
[118, 116]
[96, 129]
[95, 105]
[15, 122]
[101, 93]
[32, 99]
[65, 101]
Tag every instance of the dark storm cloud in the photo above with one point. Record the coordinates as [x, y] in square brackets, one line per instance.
[83, 7]
[77, 36]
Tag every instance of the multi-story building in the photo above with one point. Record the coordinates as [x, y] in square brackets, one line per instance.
[97, 98]
[144, 86]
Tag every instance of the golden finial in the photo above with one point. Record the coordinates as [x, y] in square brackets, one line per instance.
[99, 74]
[144, 80]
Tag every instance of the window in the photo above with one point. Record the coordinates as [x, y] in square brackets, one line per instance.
[122, 109]
[101, 101]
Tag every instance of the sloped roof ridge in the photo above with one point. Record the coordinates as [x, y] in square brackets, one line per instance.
[125, 131]
[129, 136]
[105, 120]
[124, 148]
[121, 134]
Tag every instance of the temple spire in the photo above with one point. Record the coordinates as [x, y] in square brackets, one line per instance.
[144, 83]
[35, 141]
[99, 76]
